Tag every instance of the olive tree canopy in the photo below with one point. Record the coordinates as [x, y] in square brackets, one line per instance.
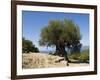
[61, 34]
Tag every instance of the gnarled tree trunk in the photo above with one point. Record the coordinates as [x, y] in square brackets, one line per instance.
[60, 50]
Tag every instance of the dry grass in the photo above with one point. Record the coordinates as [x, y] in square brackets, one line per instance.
[40, 60]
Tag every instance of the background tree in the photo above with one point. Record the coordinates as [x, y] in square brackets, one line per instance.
[27, 46]
[61, 34]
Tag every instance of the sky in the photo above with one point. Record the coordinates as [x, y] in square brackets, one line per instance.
[34, 21]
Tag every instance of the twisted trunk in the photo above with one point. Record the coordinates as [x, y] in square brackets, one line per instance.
[60, 50]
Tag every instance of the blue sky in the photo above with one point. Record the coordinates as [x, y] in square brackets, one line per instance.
[33, 22]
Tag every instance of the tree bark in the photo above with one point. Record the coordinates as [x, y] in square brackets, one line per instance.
[60, 50]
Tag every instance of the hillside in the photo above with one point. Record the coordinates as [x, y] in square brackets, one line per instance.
[40, 60]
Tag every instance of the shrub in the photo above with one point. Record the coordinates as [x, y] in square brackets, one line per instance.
[27, 46]
[84, 56]
[74, 56]
[81, 57]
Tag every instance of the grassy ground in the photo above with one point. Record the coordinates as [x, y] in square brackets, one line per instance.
[40, 60]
